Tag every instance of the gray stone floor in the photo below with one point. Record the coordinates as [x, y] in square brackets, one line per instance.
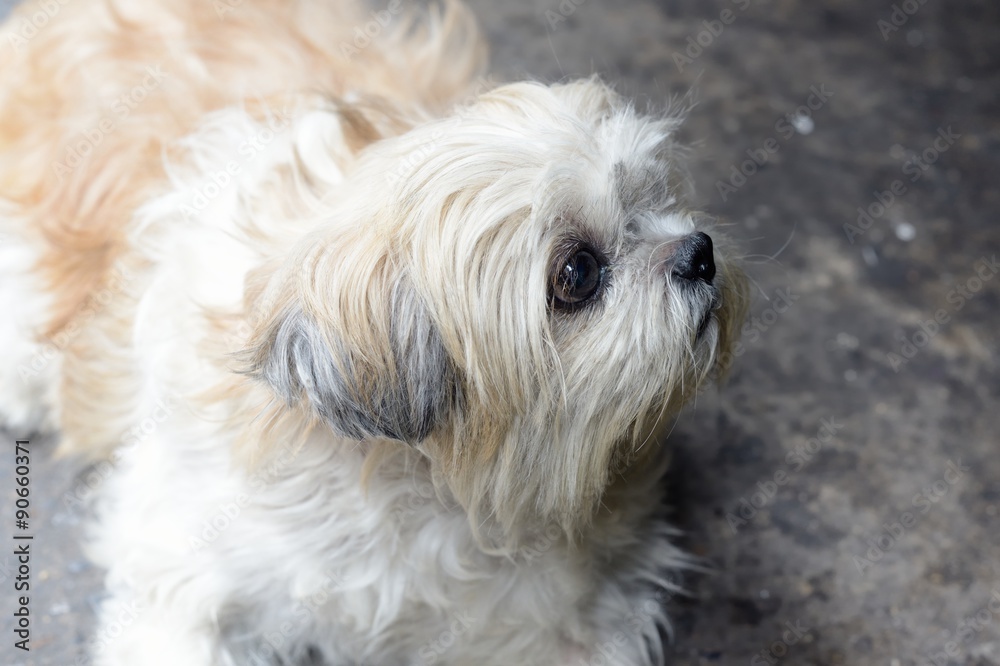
[836, 493]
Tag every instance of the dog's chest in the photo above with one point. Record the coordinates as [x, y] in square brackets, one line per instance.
[390, 570]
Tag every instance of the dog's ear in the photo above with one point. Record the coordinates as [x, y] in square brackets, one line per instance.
[370, 374]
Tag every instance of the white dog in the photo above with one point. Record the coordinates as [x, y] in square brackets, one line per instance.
[387, 359]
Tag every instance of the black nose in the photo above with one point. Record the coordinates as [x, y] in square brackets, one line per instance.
[694, 259]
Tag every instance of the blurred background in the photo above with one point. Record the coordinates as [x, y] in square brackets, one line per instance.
[845, 483]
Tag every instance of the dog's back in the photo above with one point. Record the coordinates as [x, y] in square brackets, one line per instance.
[94, 95]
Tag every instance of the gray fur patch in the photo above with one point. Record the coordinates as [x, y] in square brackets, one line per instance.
[404, 405]
[652, 185]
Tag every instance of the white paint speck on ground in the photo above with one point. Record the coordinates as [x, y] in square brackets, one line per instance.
[803, 124]
[847, 341]
[905, 232]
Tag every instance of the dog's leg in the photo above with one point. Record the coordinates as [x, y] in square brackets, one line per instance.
[28, 367]
[136, 633]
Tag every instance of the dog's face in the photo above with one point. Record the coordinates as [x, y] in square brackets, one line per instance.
[519, 291]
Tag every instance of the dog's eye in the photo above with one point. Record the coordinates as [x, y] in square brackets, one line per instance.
[576, 278]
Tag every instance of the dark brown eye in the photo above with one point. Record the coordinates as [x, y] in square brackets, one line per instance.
[576, 278]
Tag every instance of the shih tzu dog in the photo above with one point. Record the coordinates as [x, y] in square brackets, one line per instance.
[377, 358]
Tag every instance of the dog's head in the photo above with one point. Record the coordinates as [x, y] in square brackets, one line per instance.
[519, 291]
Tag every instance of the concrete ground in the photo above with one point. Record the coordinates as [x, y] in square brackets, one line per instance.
[844, 484]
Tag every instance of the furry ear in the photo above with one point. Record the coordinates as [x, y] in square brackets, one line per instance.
[394, 381]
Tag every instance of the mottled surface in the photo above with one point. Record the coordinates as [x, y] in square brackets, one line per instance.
[865, 540]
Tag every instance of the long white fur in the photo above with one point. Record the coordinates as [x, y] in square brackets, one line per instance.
[552, 551]
[393, 578]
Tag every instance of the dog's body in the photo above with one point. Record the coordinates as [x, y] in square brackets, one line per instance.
[302, 281]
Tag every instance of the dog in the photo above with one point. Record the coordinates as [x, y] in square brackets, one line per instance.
[379, 356]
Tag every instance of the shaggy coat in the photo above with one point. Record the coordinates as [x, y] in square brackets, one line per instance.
[291, 271]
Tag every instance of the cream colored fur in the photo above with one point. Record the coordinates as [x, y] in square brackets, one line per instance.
[299, 294]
